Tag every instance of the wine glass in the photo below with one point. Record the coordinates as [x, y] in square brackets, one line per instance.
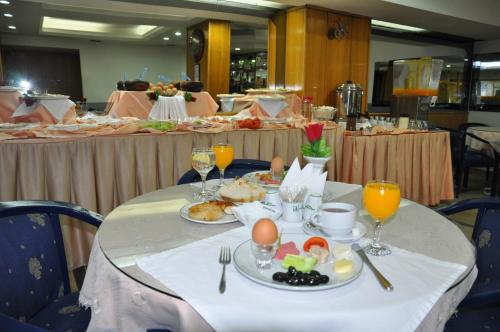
[381, 200]
[224, 154]
[203, 161]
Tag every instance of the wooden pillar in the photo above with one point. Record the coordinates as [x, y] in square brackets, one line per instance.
[276, 47]
[323, 49]
[213, 66]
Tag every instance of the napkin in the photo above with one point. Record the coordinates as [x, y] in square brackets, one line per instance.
[419, 281]
[169, 108]
[249, 213]
[272, 106]
[304, 178]
[57, 108]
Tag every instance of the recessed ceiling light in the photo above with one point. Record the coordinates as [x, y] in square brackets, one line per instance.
[5, 2]
[237, 49]
[166, 38]
[448, 66]
[12, 27]
[178, 33]
[8, 15]
[396, 26]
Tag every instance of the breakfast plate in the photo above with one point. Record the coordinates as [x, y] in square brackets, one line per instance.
[244, 262]
[255, 177]
[226, 219]
[351, 237]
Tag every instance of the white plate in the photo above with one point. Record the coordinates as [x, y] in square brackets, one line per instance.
[245, 264]
[341, 238]
[252, 177]
[228, 218]
[227, 95]
[9, 88]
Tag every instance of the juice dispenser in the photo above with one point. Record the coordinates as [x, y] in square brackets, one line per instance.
[414, 84]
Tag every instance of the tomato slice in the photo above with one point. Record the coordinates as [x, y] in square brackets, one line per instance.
[316, 240]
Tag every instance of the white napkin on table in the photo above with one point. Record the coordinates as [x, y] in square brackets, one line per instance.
[362, 305]
[272, 106]
[57, 108]
[24, 109]
[166, 108]
[306, 178]
[249, 213]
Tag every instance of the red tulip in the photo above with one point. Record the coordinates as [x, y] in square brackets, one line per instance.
[314, 131]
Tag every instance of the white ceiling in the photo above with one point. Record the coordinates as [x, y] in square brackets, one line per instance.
[477, 19]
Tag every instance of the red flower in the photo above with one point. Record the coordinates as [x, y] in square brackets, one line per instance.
[314, 131]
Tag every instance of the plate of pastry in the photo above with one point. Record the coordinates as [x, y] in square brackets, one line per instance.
[241, 191]
[210, 213]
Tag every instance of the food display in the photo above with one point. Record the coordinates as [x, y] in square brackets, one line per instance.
[162, 89]
[136, 85]
[251, 123]
[294, 277]
[210, 211]
[159, 125]
[242, 190]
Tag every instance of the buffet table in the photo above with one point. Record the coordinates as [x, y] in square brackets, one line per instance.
[420, 162]
[151, 223]
[102, 172]
[137, 104]
[292, 104]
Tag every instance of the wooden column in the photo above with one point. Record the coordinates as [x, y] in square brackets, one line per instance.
[316, 59]
[215, 62]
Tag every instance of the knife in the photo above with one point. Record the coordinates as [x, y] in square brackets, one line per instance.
[381, 279]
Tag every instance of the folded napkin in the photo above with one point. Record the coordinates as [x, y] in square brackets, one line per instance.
[304, 178]
[272, 106]
[58, 108]
[24, 109]
[249, 213]
[362, 305]
[167, 108]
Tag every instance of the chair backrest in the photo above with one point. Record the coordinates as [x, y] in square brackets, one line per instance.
[485, 236]
[238, 167]
[33, 266]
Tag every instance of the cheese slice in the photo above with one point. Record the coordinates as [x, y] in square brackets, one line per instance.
[342, 266]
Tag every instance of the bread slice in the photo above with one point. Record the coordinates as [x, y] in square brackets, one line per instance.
[242, 191]
[208, 211]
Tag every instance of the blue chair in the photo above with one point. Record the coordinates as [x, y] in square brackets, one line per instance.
[483, 301]
[35, 292]
[238, 167]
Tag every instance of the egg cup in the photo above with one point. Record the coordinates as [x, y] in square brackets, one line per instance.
[264, 253]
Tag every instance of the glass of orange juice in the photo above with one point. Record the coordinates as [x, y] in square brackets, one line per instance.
[381, 200]
[224, 154]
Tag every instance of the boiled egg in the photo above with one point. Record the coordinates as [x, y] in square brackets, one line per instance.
[264, 231]
[277, 165]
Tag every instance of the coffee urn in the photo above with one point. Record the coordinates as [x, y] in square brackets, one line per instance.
[349, 100]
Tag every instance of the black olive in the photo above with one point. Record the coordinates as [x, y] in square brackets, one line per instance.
[299, 274]
[313, 281]
[293, 281]
[306, 275]
[277, 276]
[314, 273]
[303, 281]
[323, 279]
[292, 271]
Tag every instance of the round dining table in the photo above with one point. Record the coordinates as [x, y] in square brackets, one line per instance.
[124, 297]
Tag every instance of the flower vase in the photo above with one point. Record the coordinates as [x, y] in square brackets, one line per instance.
[318, 163]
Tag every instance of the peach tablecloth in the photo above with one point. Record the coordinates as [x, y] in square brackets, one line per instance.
[43, 115]
[9, 101]
[249, 102]
[100, 173]
[137, 104]
[419, 162]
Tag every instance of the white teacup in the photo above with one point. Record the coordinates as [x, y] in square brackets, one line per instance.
[335, 218]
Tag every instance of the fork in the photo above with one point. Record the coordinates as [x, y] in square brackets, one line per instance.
[224, 259]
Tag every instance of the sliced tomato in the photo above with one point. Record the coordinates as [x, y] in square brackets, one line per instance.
[316, 240]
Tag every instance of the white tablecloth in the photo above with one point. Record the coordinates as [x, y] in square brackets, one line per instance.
[150, 224]
[57, 108]
[166, 108]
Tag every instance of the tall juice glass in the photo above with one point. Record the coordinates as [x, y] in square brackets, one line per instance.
[203, 161]
[381, 200]
[224, 154]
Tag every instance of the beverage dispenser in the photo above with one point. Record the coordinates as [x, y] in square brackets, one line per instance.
[349, 102]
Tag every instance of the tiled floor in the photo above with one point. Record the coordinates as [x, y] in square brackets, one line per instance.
[476, 189]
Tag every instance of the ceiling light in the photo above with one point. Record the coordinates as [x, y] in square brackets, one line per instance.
[25, 85]
[5, 2]
[237, 49]
[78, 27]
[486, 65]
[12, 27]
[448, 66]
[166, 38]
[178, 33]
[396, 26]
[8, 15]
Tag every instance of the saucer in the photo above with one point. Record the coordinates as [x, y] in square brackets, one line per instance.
[342, 238]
